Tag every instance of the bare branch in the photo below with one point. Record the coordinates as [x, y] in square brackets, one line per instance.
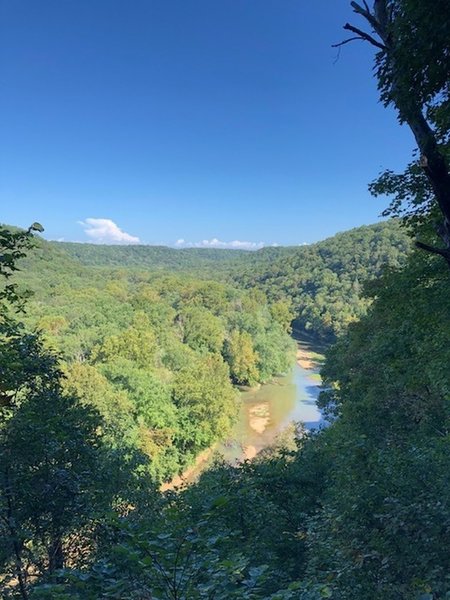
[376, 24]
[357, 37]
[365, 36]
[364, 12]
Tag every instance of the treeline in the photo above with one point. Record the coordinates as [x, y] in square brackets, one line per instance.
[136, 343]
[322, 282]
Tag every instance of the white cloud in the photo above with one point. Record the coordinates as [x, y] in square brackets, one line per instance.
[216, 243]
[105, 231]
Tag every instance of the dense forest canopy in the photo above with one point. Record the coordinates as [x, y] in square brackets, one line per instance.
[157, 347]
[125, 364]
[322, 283]
[152, 348]
[156, 353]
[145, 381]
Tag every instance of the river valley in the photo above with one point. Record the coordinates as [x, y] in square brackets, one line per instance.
[266, 412]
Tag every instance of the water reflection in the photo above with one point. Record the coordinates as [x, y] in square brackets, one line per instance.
[269, 410]
[264, 414]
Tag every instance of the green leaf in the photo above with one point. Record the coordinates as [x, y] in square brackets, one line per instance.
[36, 227]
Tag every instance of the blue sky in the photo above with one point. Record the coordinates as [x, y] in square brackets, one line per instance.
[194, 120]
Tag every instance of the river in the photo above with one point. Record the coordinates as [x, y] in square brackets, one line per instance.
[267, 412]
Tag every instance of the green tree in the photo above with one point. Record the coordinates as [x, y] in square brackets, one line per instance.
[54, 479]
[154, 416]
[281, 311]
[412, 38]
[137, 343]
[13, 246]
[242, 358]
[206, 403]
[202, 330]
[384, 528]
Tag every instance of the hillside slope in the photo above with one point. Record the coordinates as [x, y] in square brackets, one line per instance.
[322, 284]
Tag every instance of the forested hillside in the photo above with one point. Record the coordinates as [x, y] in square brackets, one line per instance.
[150, 257]
[159, 351]
[119, 366]
[158, 354]
[126, 362]
[322, 283]
[369, 248]
[359, 510]
[154, 355]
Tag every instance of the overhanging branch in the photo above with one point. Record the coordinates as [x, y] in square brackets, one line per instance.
[365, 36]
[441, 251]
[352, 39]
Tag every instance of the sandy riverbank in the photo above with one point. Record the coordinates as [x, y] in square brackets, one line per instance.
[259, 419]
[307, 359]
[304, 359]
[191, 473]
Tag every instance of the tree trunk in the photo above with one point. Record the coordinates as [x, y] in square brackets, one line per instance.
[13, 534]
[55, 554]
[434, 162]
[436, 169]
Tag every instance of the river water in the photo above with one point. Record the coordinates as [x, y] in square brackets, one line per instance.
[264, 414]
[269, 410]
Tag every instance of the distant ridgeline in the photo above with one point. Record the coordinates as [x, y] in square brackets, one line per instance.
[322, 282]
